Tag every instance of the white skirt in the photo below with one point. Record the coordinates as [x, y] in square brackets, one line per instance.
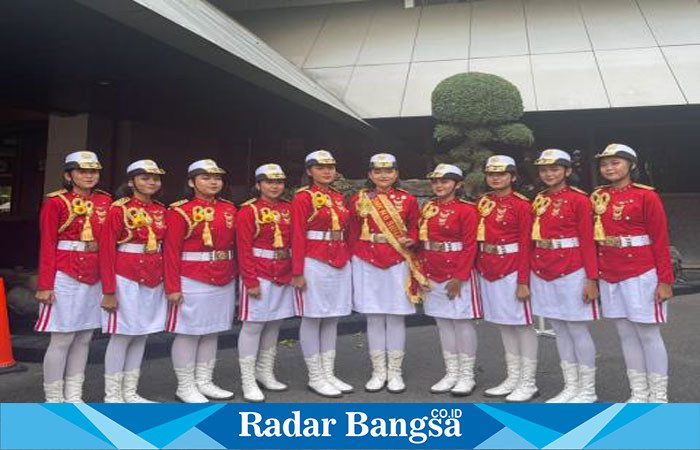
[501, 306]
[205, 308]
[328, 290]
[380, 291]
[76, 308]
[633, 299]
[140, 309]
[562, 298]
[276, 302]
[467, 305]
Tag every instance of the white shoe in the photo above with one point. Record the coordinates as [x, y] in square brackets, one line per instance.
[378, 379]
[639, 386]
[465, 383]
[451, 373]
[187, 390]
[512, 378]
[265, 370]
[526, 389]
[113, 387]
[328, 361]
[204, 375]
[571, 383]
[586, 385]
[53, 392]
[251, 391]
[658, 387]
[130, 386]
[318, 382]
[73, 388]
[394, 375]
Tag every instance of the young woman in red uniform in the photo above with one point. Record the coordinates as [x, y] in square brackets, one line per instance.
[636, 274]
[386, 276]
[263, 234]
[504, 273]
[131, 264]
[320, 271]
[565, 273]
[448, 240]
[68, 287]
[199, 280]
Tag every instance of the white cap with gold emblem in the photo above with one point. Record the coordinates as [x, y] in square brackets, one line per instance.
[619, 150]
[82, 160]
[269, 172]
[144, 166]
[500, 163]
[447, 171]
[320, 158]
[204, 166]
[382, 161]
[553, 156]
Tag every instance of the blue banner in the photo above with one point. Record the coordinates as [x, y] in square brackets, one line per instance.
[348, 425]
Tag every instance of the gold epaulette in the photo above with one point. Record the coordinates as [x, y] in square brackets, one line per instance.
[644, 186]
[466, 201]
[225, 200]
[334, 189]
[121, 202]
[180, 202]
[100, 191]
[57, 193]
[602, 186]
[303, 188]
[249, 202]
[157, 202]
[580, 191]
[521, 196]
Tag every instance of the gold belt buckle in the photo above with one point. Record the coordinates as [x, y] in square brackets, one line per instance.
[613, 241]
[91, 246]
[335, 235]
[280, 254]
[220, 255]
[379, 238]
[440, 246]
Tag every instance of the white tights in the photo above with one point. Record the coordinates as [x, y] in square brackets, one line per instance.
[574, 342]
[519, 340]
[317, 335]
[66, 355]
[457, 336]
[642, 346]
[386, 332]
[257, 335]
[124, 353]
[190, 349]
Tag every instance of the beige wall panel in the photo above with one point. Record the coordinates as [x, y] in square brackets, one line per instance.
[377, 91]
[555, 26]
[443, 33]
[422, 79]
[515, 69]
[498, 29]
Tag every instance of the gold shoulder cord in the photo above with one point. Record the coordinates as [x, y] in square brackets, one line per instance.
[364, 209]
[600, 201]
[539, 207]
[429, 211]
[485, 206]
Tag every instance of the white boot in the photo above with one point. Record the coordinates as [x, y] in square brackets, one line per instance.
[512, 378]
[328, 359]
[130, 386]
[394, 375]
[638, 386]
[571, 383]
[113, 387]
[526, 389]
[73, 388]
[378, 380]
[658, 387]
[251, 391]
[53, 391]
[451, 373]
[318, 382]
[586, 385]
[265, 370]
[187, 390]
[204, 374]
[465, 384]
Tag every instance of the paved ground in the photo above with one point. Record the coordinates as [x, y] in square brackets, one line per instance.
[423, 366]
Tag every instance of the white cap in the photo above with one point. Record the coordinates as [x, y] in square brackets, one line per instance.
[269, 172]
[499, 163]
[82, 160]
[204, 166]
[144, 166]
[447, 171]
[553, 156]
[618, 150]
[382, 160]
[319, 157]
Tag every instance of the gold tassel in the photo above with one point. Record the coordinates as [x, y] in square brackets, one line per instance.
[481, 230]
[600, 201]
[335, 222]
[364, 234]
[86, 234]
[429, 211]
[278, 243]
[539, 207]
[598, 230]
[423, 232]
[536, 234]
[151, 243]
[485, 206]
[206, 235]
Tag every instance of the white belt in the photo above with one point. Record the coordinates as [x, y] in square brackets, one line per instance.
[500, 249]
[443, 246]
[216, 255]
[626, 241]
[135, 248]
[74, 246]
[552, 244]
[316, 235]
[272, 254]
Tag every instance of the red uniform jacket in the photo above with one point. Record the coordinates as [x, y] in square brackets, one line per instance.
[56, 213]
[253, 231]
[509, 222]
[632, 211]
[120, 228]
[455, 222]
[568, 215]
[383, 255]
[185, 234]
[305, 217]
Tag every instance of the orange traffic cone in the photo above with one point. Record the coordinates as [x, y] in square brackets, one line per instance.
[7, 361]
